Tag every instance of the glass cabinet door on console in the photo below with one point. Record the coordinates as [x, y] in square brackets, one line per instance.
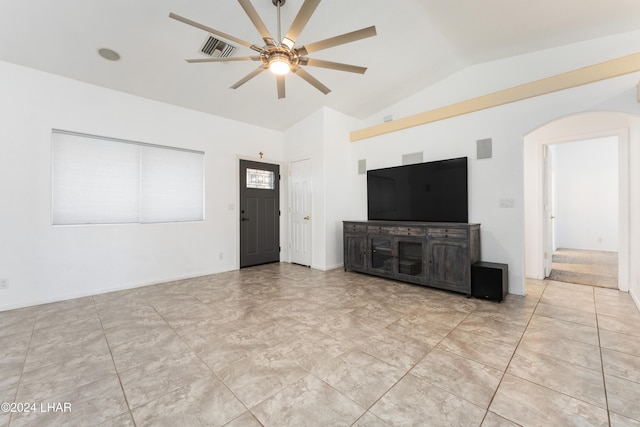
[410, 258]
[398, 257]
[381, 254]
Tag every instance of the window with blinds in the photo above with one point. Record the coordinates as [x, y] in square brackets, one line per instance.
[98, 180]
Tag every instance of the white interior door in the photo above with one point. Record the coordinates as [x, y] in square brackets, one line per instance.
[547, 195]
[300, 211]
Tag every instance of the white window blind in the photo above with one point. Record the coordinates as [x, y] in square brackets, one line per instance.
[106, 181]
[171, 185]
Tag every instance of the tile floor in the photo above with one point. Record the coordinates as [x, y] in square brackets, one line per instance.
[283, 345]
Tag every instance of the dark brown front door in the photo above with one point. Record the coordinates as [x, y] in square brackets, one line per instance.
[259, 213]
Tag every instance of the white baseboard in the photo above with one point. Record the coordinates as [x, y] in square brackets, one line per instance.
[74, 295]
[635, 298]
[333, 267]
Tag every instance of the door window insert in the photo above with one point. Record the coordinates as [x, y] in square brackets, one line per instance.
[261, 179]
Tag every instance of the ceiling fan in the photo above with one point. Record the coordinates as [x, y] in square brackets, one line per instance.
[280, 55]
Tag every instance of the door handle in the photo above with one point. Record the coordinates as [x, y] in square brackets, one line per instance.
[244, 219]
[307, 217]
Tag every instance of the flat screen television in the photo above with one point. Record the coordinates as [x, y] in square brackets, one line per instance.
[432, 192]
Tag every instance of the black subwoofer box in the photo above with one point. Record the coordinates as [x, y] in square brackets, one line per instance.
[489, 280]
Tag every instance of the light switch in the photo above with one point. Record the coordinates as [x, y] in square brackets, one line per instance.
[507, 203]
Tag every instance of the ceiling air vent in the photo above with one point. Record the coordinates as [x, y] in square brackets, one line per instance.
[217, 48]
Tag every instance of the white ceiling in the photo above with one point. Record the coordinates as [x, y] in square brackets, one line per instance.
[419, 42]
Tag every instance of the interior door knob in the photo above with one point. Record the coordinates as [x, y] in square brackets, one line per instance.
[307, 217]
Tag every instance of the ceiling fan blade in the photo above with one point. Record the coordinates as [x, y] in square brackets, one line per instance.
[257, 22]
[299, 22]
[215, 32]
[249, 77]
[332, 65]
[280, 81]
[337, 40]
[311, 80]
[235, 58]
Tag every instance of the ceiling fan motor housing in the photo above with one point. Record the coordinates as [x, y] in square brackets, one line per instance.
[283, 55]
[270, 54]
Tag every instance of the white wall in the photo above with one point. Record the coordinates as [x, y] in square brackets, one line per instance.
[323, 137]
[585, 189]
[502, 176]
[337, 154]
[45, 263]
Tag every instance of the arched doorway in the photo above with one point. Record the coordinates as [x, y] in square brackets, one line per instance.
[578, 127]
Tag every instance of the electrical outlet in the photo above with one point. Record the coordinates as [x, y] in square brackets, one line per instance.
[4, 283]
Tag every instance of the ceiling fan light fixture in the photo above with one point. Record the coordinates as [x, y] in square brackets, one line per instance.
[279, 64]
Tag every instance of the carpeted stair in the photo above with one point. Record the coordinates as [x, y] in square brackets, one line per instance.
[594, 268]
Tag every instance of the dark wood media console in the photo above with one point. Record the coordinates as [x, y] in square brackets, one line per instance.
[433, 254]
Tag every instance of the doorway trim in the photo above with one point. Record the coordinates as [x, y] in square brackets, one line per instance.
[534, 204]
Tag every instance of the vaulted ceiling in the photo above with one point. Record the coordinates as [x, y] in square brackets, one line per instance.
[419, 42]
